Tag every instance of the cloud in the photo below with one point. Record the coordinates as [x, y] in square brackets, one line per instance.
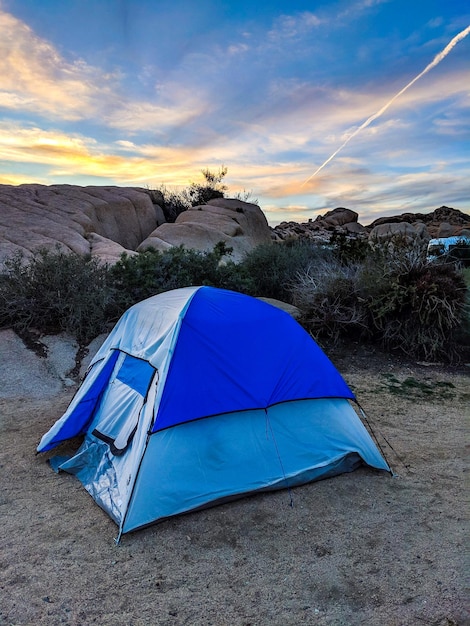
[293, 26]
[435, 22]
[452, 126]
[195, 99]
[354, 105]
[60, 152]
[354, 9]
[237, 49]
[65, 156]
[314, 120]
[33, 145]
[34, 77]
[351, 184]
[375, 194]
[142, 116]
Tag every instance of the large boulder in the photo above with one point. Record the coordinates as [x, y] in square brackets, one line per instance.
[400, 230]
[65, 216]
[294, 311]
[447, 222]
[45, 367]
[107, 251]
[340, 221]
[442, 222]
[240, 225]
[339, 217]
[354, 228]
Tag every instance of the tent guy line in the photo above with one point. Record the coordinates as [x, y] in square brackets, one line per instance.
[437, 59]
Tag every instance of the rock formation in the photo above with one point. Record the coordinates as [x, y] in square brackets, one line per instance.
[339, 217]
[416, 231]
[72, 218]
[107, 221]
[338, 220]
[443, 222]
[240, 225]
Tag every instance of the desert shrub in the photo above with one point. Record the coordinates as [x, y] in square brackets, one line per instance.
[415, 306]
[175, 202]
[466, 277]
[417, 312]
[55, 291]
[245, 196]
[464, 332]
[349, 249]
[213, 187]
[328, 294]
[460, 253]
[273, 268]
[394, 296]
[151, 272]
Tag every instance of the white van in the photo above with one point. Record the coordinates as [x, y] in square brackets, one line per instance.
[450, 249]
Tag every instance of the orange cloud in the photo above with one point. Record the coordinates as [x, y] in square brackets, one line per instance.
[18, 179]
[123, 163]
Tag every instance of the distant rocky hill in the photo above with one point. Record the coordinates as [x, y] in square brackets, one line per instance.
[443, 222]
[107, 221]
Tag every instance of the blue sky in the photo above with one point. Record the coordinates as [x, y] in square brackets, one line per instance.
[150, 92]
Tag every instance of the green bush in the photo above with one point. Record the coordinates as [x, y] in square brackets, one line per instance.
[174, 202]
[465, 330]
[56, 291]
[212, 187]
[273, 268]
[349, 249]
[151, 272]
[460, 253]
[415, 306]
[393, 296]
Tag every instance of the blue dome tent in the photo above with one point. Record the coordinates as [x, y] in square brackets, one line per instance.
[199, 395]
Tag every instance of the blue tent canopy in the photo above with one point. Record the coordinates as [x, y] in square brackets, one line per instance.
[236, 353]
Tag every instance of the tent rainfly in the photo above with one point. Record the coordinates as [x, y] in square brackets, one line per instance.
[200, 395]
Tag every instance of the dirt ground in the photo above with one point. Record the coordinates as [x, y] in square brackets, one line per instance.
[362, 548]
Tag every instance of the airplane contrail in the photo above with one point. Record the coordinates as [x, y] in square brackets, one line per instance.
[437, 59]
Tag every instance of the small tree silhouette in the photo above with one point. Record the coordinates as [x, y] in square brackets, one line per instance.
[201, 193]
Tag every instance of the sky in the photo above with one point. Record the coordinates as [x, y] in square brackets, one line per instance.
[148, 93]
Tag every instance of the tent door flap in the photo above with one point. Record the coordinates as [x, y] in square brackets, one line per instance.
[118, 416]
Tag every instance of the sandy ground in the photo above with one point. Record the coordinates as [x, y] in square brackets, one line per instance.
[362, 548]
